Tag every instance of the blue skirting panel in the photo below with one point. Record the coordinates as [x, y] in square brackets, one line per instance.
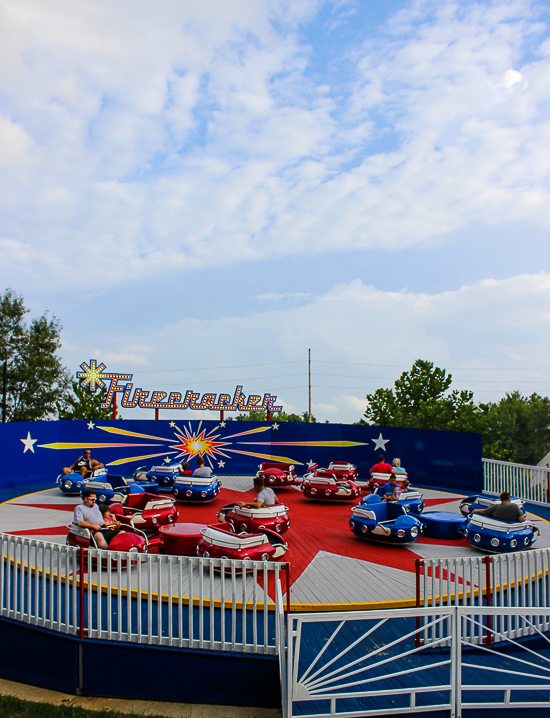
[121, 670]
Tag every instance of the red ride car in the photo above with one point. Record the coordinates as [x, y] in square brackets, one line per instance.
[277, 473]
[219, 541]
[274, 518]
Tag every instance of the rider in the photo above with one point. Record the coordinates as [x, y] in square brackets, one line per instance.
[84, 465]
[266, 496]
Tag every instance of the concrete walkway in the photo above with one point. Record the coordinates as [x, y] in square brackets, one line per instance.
[135, 708]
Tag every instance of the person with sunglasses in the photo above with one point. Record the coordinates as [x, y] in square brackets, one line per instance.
[84, 465]
[87, 515]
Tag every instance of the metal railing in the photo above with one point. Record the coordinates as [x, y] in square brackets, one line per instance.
[508, 580]
[370, 663]
[153, 599]
[531, 483]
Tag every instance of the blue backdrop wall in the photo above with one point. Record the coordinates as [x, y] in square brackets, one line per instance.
[34, 453]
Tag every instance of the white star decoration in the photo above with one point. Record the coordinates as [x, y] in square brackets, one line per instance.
[310, 463]
[167, 460]
[172, 424]
[380, 443]
[91, 425]
[275, 426]
[221, 464]
[28, 443]
[222, 424]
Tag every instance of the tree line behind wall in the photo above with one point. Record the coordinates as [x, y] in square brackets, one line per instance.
[516, 428]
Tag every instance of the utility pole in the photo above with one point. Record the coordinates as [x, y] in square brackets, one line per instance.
[5, 392]
[309, 382]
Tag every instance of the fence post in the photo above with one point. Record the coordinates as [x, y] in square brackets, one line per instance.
[419, 565]
[81, 557]
[487, 560]
[287, 572]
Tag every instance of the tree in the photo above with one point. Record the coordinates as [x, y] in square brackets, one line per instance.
[517, 428]
[421, 399]
[36, 378]
[280, 416]
[84, 404]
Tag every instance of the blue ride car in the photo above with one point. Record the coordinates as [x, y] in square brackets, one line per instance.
[74, 483]
[384, 521]
[196, 489]
[164, 475]
[112, 488]
[471, 503]
[412, 499]
[497, 536]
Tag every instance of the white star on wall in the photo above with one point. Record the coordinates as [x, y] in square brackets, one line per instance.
[275, 426]
[221, 464]
[222, 424]
[380, 443]
[172, 424]
[28, 443]
[91, 425]
[167, 460]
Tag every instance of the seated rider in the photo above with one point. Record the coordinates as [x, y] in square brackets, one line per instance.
[201, 469]
[109, 519]
[84, 465]
[266, 496]
[397, 468]
[506, 510]
[405, 486]
[185, 470]
[389, 490]
[381, 467]
[88, 516]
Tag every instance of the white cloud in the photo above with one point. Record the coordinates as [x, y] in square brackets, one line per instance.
[196, 136]
[493, 336]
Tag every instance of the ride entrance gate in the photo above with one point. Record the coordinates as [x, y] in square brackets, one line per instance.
[372, 663]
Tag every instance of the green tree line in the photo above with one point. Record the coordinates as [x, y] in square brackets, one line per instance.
[516, 428]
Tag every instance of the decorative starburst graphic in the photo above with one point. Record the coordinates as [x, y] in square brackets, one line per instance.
[90, 376]
[190, 442]
[199, 443]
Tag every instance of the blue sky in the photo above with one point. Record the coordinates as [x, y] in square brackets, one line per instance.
[200, 192]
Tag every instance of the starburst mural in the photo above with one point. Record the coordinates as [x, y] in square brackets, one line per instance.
[190, 440]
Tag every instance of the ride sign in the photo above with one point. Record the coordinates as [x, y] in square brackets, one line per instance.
[94, 376]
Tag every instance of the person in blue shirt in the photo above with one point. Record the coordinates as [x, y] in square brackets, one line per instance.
[389, 490]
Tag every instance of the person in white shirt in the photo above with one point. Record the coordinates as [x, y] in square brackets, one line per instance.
[266, 496]
[201, 469]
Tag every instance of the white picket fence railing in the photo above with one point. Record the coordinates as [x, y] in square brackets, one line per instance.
[154, 599]
[372, 663]
[531, 483]
[507, 580]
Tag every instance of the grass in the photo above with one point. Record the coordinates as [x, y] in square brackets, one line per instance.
[11, 707]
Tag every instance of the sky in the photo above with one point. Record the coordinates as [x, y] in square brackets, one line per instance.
[202, 191]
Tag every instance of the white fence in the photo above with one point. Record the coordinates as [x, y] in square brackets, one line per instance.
[528, 482]
[508, 580]
[370, 663]
[159, 600]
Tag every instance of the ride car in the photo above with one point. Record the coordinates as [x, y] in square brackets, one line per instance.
[277, 473]
[249, 519]
[73, 483]
[492, 535]
[112, 488]
[196, 489]
[219, 541]
[323, 486]
[145, 511]
[128, 540]
[164, 475]
[471, 503]
[384, 521]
